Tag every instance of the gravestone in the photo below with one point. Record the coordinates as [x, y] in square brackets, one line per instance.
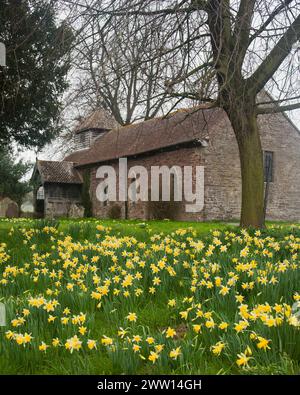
[8, 206]
[76, 211]
[12, 210]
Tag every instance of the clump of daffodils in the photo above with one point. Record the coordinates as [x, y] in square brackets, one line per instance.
[221, 297]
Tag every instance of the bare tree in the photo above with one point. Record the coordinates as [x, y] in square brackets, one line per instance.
[230, 51]
[124, 67]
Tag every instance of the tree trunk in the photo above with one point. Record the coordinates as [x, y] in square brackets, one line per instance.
[251, 158]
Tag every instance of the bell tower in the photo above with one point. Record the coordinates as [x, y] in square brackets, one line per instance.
[95, 125]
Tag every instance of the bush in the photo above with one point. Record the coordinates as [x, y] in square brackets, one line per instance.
[163, 210]
[114, 212]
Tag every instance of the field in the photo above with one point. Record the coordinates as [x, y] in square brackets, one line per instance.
[107, 297]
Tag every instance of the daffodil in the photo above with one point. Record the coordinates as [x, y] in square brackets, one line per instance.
[242, 360]
[55, 342]
[43, 347]
[107, 341]
[172, 303]
[122, 332]
[223, 325]
[73, 344]
[92, 344]
[170, 332]
[82, 330]
[174, 354]
[197, 328]
[153, 356]
[159, 347]
[217, 348]
[136, 347]
[263, 343]
[132, 317]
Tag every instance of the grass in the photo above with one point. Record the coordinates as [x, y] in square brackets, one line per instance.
[189, 277]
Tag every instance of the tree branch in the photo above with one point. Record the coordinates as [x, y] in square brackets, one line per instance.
[169, 84]
[277, 55]
[276, 109]
[242, 28]
[278, 101]
[270, 19]
[196, 5]
[195, 96]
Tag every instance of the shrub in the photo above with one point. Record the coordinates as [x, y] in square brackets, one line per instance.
[163, 210]
[114, 212]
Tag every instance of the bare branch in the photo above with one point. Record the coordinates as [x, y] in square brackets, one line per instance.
[276, 109]
[270, 19]
[275, 58]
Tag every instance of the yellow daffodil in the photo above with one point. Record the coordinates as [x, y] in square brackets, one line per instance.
[132, 317]
[174, 354]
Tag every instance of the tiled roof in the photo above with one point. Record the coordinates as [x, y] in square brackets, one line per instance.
[58, 172]
[75, 156]
[180, 127]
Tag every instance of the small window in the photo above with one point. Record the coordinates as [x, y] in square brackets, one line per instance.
[268, 166]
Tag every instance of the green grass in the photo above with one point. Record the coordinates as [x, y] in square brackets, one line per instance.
[31, 248]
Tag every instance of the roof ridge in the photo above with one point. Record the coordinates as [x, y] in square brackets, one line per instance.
[54, 161]
[166, 116]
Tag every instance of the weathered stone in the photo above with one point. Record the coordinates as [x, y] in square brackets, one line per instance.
[8, 208]
[219, 155]
[76, 211]
[220, 158]
[12, 210]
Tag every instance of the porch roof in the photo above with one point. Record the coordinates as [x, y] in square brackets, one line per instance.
[62, 172]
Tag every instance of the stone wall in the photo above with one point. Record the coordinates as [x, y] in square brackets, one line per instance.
[59, 202]
[222, 173]
[223, 176]
[179, 157]
[284, 140]
[101, 209]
